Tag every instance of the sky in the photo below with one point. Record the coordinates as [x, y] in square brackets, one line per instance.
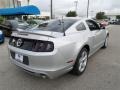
[63, 6]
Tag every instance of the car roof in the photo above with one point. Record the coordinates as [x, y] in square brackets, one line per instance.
[76, 18]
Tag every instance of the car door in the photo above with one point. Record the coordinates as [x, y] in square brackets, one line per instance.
[96, 34]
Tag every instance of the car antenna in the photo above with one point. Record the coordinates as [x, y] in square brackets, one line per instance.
[63, 26]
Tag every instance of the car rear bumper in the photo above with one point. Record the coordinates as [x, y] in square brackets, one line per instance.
[49, 65]
[43, 73]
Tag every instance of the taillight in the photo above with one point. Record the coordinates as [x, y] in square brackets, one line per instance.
[32, 45]
[43, 46]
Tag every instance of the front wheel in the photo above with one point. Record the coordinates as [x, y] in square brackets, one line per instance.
[81, 62]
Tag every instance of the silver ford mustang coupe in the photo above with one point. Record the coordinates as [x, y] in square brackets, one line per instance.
[57, 46]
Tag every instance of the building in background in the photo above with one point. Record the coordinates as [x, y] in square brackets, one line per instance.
[1, 4]
[42, 16]
[12, 3]
[24, 2]
[4, 3]
[8, 3]
[112, 16]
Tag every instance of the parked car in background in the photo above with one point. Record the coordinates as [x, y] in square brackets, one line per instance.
[9, 26]
[22, 25]
[32, 26]
[112, 22]
[1, 37]
[57, 46]
[117, 22]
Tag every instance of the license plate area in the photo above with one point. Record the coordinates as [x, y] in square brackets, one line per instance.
[19, 57]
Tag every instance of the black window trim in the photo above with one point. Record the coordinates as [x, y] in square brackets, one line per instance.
[98, 27]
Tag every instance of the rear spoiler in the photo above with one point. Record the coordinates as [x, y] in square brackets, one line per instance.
[25, 33]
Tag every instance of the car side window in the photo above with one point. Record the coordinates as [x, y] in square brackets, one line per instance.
[92, 25]
[81, 27]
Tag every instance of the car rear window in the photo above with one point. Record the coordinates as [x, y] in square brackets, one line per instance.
[56, 25]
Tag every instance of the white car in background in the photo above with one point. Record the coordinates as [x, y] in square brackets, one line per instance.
[57, 47]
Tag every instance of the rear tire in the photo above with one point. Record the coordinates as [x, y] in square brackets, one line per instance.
[81, 62]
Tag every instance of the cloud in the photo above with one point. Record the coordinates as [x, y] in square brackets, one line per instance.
[63, 6]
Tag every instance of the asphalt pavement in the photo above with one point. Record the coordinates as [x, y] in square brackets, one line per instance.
[103, 71]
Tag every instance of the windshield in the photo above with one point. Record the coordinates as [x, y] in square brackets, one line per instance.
[56, 25]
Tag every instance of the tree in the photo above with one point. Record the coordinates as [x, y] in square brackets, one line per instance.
[1, 19]
[101, 15]
[118, 16]
[71, 14]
